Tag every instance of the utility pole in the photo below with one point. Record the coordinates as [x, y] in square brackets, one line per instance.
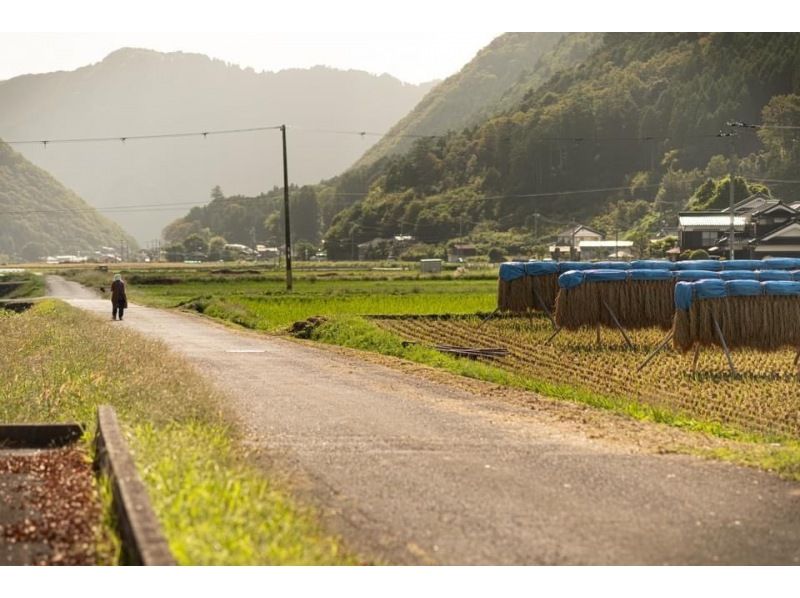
[286, 213]
[536, 226]
[732, 170]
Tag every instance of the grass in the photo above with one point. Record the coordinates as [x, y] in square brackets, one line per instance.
[260, 301]
[21, 285]
[59, 364]
[758, 410]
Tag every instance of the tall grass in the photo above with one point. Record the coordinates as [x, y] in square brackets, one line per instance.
[59, 364]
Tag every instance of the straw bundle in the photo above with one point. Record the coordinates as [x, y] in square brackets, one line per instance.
[519, 295]
[763, 322]
[635, 303]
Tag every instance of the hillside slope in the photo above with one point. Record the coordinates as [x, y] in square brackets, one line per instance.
[40, 216]
[641, 112]
[520, 60]
[134, 91]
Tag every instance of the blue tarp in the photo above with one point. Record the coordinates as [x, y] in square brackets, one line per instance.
[695, 274]
[686, 292]
[742, 265]
[611, 266]
[709, 289]
[652, 265]
[781, 263]
[780, 287]
[741, 288]
[698, 265]
[567, 266]
[512, 270]
[683, 295]
[541, 268]
[650, 274]
[738, 275]
[571, 279]
[765, 275]
[605, 275]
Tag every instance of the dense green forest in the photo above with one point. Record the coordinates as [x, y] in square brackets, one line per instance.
[637, 121]
[39, 216]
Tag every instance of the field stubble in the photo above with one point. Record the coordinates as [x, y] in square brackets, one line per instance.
[764, 398]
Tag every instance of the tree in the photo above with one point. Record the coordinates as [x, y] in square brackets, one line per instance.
[195, 245]
[496, 255]
[216, 248]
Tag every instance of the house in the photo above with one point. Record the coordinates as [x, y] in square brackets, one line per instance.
[762, 226]
[568, 241]
[459, 252]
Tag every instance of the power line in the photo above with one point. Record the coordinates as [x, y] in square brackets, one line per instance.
[124, 138]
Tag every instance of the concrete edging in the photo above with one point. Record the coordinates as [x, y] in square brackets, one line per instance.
[39, 435]
[143, 542]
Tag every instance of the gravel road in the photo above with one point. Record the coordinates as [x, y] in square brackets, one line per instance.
[411, 471]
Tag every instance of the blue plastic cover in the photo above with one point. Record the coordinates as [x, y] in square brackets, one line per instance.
[571, 279]
[766, 275]
[796, 275]
[611, 266]
[605, 275]
[567, 266]
[709, 289]
[781, 287]
[741, 264]
[511, 271]
[695, 274]
[739, 288]
[698, 265]
[738, 275]
[781, 263]
[683, 295]
[653, 274]
[652, 265]
[541, 268]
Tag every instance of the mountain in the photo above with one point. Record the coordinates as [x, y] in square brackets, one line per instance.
[40, 216]
[505, 71]
[135, 92]
[641, 111]
[472, 94]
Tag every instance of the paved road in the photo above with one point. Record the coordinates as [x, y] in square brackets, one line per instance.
[411, 471]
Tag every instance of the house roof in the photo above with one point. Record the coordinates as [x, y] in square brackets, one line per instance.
[771, 207]
[568, 232]
[791, 230]
[751, 203]
[710, 221]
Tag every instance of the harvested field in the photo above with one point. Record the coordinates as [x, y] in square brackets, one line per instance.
[764, 397]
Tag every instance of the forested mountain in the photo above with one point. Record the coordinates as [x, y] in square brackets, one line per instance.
[499, 76]
[134, 91]
[642, 112]
[39, 216]
[517, 61]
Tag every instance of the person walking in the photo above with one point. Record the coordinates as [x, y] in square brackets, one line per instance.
[119, 301]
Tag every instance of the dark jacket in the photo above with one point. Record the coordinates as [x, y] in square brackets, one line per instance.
[118, 296]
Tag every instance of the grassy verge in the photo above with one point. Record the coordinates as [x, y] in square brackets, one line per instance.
[20, 285]
[773, 453]
[58, 364]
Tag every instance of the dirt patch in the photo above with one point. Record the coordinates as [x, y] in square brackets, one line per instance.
[304, 328]
[50, 509]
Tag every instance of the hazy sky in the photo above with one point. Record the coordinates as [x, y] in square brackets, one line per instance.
[411, 57]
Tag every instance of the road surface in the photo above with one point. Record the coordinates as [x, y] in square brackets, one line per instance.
[412, 471]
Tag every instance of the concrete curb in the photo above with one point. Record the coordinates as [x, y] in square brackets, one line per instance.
[142, 540]
[39, 435]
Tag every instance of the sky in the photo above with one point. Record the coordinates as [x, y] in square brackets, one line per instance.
[411, 57]
[346, 34]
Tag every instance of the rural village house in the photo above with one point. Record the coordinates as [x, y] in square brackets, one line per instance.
[763, 226]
